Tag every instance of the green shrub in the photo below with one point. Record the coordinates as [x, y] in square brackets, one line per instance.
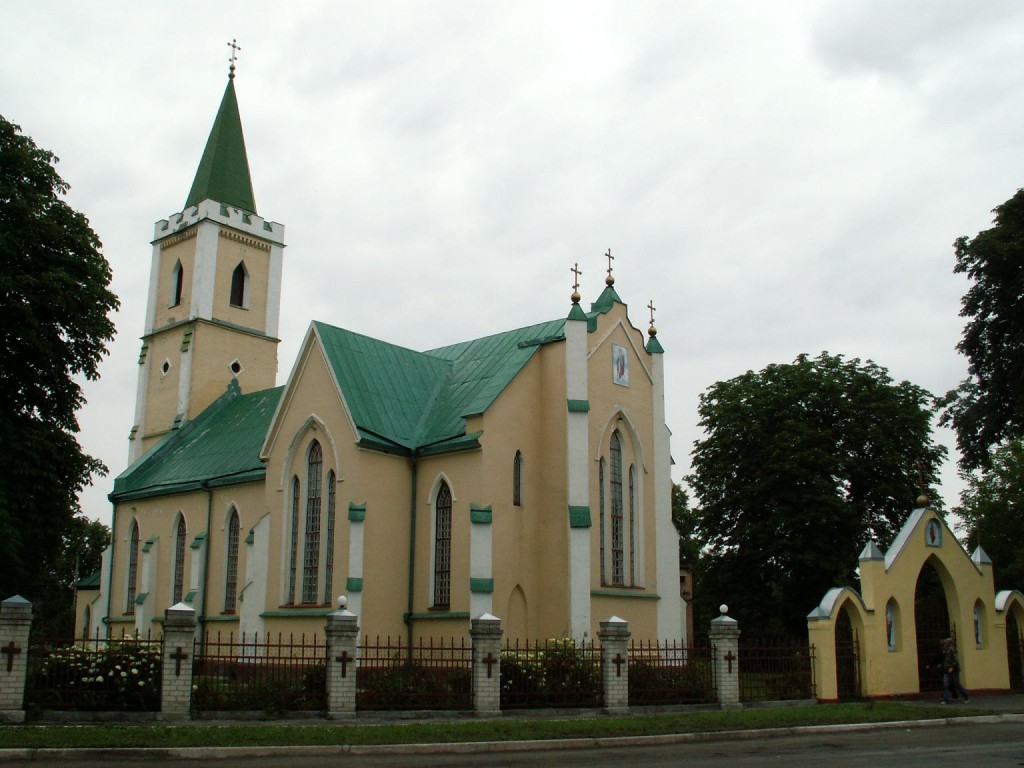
[413, 686]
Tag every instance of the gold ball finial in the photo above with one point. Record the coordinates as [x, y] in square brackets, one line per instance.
[652, 331]
[922, 500]
[575, 297]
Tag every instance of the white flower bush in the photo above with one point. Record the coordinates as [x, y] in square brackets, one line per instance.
[116, 675]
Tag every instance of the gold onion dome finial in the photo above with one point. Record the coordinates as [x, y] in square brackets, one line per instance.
[575, 297]
[235, 48]
[610, 280]
[652, 331]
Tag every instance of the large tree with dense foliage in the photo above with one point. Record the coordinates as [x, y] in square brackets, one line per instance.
[801, 465]
[988, 407]
[992, 511]
[55, 324]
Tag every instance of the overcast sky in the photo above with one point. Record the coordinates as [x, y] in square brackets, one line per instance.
[780, 178]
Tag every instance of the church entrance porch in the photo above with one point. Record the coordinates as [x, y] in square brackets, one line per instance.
[931, 617]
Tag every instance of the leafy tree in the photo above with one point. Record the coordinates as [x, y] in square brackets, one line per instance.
[988, 406]
[54, 328]
[80, 555]
[802, 465]
[992, 510]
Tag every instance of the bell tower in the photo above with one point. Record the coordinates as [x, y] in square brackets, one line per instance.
[214, 291]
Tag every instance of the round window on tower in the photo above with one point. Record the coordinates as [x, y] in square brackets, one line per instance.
[236, 367]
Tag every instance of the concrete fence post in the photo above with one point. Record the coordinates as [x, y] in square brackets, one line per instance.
[15, 622]
[614, 637]
[725, 640]
[342, 647]
[176, 678]
[485, 631]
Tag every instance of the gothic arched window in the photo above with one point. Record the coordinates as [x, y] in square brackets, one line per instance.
[329, 557]
[615, 461]
[177, 283]
[311, 542]
[231, 564]
[517, 480]
[294, 551]
[442, 546]
[632, 524]
[240, 286]
[178, 587]
[133, 568]
[601, 514]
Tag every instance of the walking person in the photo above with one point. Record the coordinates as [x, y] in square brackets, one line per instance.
[951, 672]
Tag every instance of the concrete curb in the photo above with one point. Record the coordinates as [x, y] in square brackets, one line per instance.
[484, 747]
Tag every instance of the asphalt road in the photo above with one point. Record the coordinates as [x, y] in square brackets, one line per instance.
[975, 744]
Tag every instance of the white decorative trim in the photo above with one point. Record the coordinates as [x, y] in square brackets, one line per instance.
[671, 606]
[577, 387]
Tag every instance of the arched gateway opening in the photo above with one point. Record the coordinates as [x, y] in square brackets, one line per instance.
[931, 616]
[847, 658]
[1015, 651]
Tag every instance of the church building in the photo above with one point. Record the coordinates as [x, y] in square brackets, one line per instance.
[524, 474]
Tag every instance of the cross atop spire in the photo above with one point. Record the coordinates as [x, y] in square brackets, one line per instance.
[235, 48]
[651, 331]
[610, 280]
[576, 283]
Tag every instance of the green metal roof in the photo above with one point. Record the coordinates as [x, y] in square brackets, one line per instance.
[220, 446]
[408, 401]
[92, 581]
[223, 173]
[402, 401]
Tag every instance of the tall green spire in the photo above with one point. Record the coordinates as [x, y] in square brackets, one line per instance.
[223, 173]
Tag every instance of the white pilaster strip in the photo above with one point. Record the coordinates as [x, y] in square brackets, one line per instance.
[154, 287]
[578, 480]
[481, 561]
[204, 273]
[253, 597]
[150, 561]
[671, 611]
[357, 523]
[274, 296]
[184, 381]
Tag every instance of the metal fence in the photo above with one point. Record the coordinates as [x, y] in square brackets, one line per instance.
[259, 673]
[776, 669]
[95, 674]
[551, 673]
[429, 674]
[671, 673]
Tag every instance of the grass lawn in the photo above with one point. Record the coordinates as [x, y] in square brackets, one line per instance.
[193, 734]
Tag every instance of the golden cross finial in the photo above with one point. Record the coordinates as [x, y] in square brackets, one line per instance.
[652, 331]
[576, 283]
[611, 278]
[235, 48]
